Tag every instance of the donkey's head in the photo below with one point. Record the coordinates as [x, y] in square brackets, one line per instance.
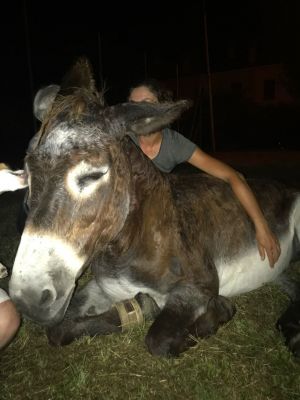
[79, 188]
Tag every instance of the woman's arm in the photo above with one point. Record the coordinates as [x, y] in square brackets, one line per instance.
[267, 242]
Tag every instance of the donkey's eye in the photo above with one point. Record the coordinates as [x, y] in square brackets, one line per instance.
[89, 178]
[84, 179]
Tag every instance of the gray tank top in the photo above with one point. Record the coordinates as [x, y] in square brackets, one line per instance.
[174, 149]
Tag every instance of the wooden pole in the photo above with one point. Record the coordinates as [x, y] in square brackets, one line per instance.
[211, 110]
[145, 65]
[100, 61]
[177, 92]
[177, 81]
[29, 64]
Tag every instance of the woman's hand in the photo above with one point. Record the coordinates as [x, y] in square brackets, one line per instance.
[268, 243]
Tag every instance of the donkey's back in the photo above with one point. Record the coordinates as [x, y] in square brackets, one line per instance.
[211, 216]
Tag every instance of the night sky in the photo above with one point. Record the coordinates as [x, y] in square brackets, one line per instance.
[125, 41]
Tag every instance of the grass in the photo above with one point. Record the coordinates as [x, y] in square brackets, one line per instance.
[246, 360]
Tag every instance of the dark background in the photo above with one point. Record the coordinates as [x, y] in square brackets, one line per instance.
[126, 41]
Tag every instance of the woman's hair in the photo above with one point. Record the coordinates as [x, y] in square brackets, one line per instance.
[160, 92]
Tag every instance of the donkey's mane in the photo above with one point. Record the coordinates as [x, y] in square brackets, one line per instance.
[76, 98]
[73, 108]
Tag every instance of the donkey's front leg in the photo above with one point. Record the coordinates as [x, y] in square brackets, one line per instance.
[92, 313]
[86, 302]
[121, 317]
[167, 335]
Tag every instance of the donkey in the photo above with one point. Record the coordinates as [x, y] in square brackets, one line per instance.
[10, 181]
[96, 201]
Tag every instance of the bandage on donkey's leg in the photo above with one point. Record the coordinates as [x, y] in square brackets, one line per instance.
[136, 311]
[120, 317]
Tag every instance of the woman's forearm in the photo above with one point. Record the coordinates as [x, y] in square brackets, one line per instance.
[246, 197]
[267, 242]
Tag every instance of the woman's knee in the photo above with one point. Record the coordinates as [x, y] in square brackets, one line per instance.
[9, 322]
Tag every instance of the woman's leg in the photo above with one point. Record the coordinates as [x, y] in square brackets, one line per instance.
[9, 319]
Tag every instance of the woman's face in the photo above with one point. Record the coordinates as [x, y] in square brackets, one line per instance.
[142, 93]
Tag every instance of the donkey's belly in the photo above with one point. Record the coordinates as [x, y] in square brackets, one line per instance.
[120, 289]
[250, 272]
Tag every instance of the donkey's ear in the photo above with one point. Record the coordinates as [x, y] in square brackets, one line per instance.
[79, 76]
[43, 101]
[144, 118]
[157, 116]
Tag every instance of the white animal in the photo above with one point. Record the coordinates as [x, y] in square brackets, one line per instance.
[11, 180]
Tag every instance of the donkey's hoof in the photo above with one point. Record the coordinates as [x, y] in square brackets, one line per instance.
[295, 348]
[148, 306]
[166, 347]
[58, 336]
[289, 326]
[165, 343]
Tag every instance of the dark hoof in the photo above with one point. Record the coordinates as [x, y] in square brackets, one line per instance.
[148, 306]
[289, 326]
[219, 311]
[163, 346]
[166, 339]
[226, 310]
[59, 336]
[295, 347]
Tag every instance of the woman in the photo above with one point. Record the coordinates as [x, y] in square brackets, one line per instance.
[167, 148]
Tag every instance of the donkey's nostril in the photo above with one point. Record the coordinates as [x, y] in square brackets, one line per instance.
[47, 298]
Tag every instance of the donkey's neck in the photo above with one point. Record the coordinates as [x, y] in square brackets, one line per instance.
[150, 196]
[146, 176]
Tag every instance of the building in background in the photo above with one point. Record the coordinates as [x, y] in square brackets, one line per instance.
[253, 107]
[260, 84]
